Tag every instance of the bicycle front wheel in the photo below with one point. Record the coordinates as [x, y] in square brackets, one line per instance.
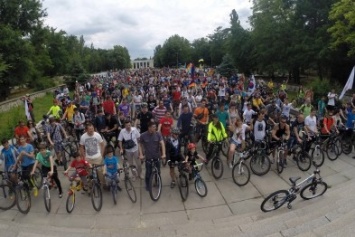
[318, 155]
[346, 146]
[23, 199]
[96, 197]
[313, 190]
[240, 174]
[280, 162]
[201, 187]
[304, 161]
[155, 186]
[130, 190]
[114, 192]
[37, 178]
[260, 164]
[183, 184]
[225, 148]
[70, 204]
[332, 151]
[7, 197]
[47, 198]
[274, 201]
[217, 168]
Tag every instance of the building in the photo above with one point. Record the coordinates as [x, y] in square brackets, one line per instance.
[142, 63]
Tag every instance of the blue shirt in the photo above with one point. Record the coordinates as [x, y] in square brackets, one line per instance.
[350, 119]
[111, 164]
[26, 161]
[222, 117]
[9, 156]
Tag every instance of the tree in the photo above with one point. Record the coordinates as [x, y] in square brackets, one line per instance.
[200, 50]
[217, 46]
[342, 30]
[226, 68]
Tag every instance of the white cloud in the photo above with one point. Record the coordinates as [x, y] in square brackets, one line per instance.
[140, 25]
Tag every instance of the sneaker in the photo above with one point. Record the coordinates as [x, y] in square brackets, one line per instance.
[172, 184]
[35, 191]
[230, 165]
[60, 195]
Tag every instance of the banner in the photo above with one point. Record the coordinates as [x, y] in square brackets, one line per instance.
[27, 112]
[349, 84]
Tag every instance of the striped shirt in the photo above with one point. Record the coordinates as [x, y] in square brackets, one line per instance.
[159, 112]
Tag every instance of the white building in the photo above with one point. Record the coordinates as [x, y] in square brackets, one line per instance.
[136, 64]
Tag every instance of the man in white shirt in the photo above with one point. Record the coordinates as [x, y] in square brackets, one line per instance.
[131, 154]
[310, 123]
[260, 127]
[248, 114]
[331, 100]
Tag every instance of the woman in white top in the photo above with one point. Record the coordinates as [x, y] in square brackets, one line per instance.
[198, 98]
[233, 113]
[137, 102]
[238, 139]
[191, 100]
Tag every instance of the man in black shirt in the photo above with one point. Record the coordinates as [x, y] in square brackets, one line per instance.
[143, 118]
[111, 127]
[184, 123]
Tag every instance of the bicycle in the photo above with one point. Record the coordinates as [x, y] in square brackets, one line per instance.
[280, 155]
[108, 136]
[70, 202]
[96, 191]
[260, 163]
[308, 189]
[23, 196]
[347, 139]
[200, 185]
[131, 191]
[155, 183]
[216, 164]
[7, 192]
[113, 186]
[46, 194]
[240, 171]
[182, 180]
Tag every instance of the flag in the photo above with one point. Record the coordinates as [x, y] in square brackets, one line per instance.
[349, 84]
[27, 112]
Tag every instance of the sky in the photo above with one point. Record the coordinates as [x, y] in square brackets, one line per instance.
[141, 25]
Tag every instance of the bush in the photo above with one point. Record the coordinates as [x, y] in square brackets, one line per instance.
[322, 88]
[42, 83]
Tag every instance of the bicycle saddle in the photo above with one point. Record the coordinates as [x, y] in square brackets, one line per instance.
[293, 180]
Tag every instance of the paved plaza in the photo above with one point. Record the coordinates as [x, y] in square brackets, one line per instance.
[226, 205]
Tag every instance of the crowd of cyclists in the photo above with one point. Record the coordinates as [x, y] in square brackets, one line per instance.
[163, 114]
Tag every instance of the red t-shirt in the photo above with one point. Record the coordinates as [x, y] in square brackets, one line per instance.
[22, 131]
[176, 95]
[166, 124]
[108, 106]
[80, 167]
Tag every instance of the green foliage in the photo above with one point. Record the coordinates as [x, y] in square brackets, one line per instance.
[322, 87]
[42, 83]
[226, 68]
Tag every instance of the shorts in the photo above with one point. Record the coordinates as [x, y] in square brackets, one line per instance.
[174, 159]
[237, 145]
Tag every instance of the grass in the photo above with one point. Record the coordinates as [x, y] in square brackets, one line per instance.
[9, 119]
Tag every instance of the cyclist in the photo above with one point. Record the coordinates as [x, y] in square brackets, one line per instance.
[165, 124]
[278, 132]
[100, 121]
[259, 126]
[110, 170]
[173, 152]
[223, 115]
[8, 157]
[69, 112]
[143, 118]
[191, 157]
[238, 138]
[55, 134]
[311, 124]
[81, 165]
[22, 130]
[201, 116]
[110, 130]
[185, 124]
[79, 120]
[248, 114]
[329, 124]
[127, 134]
[48, 169]
[151, 141]
[159, 111]
[216, 133]
[55, 109]
[296, 127]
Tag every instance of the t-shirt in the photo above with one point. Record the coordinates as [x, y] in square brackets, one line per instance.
[239, 134]
[166, 124]
[55, 110]
[223, 117]
[9, 156]
[124, 108]
[21, 131]
[331, 99]
[80, 166]
[44, 159]
[111, 164]
[128, 135]
[259, 130]
[92, 145]
[70, 112]
[26, 161]
[298, 125]
[311, 123]
[144, 119]
[350, 118]
[248, 114]
[327, 123]
[204, 111]
[108, 106]
[151, 144]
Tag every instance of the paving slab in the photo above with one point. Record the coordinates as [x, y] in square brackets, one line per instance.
[246, 206]
[209, 213]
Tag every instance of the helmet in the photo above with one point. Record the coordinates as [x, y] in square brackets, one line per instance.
[191, 146]
[175, 130]
[283, 117]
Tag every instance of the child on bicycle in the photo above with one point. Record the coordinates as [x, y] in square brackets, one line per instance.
[81, 173]
[49, 169]
[111, 168]
[191, 157]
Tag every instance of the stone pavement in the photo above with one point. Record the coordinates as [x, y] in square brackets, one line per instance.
[227, 210]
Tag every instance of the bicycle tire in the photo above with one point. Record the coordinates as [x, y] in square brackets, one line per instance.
[96, 197]
[279, 162]
[217, 165]
[204, 145]
[37, 178]
[183, 184]
[131, 191]
[240, 174]
[260, 164]
[337, 142]
[332, 151]
[66, 153]
[225, 148]
[7, 197]
[201, 187]
[277, 199]
[23, 199]
[155, 186]
[346, 146]
[70, 203]
[304, 161]
[317, 155]
[114, 192]
[312, 188]
[47, 198]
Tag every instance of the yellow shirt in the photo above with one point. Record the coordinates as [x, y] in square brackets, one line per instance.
[270, 84]
[70, 112]
[125, 92]
[257, 102]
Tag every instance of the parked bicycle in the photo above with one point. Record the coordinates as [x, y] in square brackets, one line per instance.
[311, 187]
